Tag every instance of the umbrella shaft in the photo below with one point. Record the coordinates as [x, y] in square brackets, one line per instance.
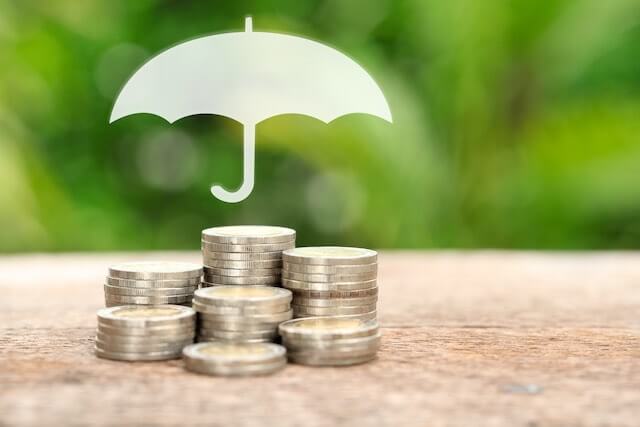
[245, 189]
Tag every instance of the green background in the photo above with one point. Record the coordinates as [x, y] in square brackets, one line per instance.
[516, 125]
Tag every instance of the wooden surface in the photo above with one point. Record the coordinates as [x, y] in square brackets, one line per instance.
[488, 338]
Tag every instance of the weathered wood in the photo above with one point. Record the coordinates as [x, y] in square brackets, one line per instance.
[486, 338]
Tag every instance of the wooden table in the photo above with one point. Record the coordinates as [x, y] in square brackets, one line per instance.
[476, 338]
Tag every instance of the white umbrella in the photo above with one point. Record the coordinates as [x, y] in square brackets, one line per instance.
[250, 76]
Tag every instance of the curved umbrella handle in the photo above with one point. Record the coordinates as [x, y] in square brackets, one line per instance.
[249, 163]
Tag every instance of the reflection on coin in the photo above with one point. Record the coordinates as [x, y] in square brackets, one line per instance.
[330, 269]
[142, 316]
[328, 278]
[218, 358]
[330, 255]
[335, 302]
[242, 256]
[117, 290]
[248, 234]
[252, 280]
[298, 285]
[242, 265]
[153, 284]
[332, 311]
[140, 357]
[213, 271]
[242, 296]
[127, 299]
[328, 328]
[358, 293]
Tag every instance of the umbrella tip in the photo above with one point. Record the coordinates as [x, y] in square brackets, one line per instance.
[248, 23]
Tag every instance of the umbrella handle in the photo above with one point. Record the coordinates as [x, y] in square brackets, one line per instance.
[249, 163]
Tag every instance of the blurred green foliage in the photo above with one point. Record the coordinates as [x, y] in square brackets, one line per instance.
[516, 125]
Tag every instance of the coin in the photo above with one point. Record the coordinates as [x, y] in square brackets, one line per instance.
[253, 319]
[238, 327]
[335, 302]
[155, 270]
[328, 278]
[153, 284]
[330, 255]
[142, 347]
[220, 358]
[239, 311]
[133, 357]
[142, 339]
[330, 269]
[243, 256]
[117, 290]
[328, 328]
[243, 296]
[332, 311]
[218, 263]
[299, 285]
[319, 360]
[335, 294]
[248, 234]
[168, 332]
[237, 335]
[230, 272]
[146, 316]
[224, 247]
[159, 300]
[370, 342]
[213, 280]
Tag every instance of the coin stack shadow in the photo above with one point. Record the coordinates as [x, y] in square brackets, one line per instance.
[144, 333]
[244, 255]
[330, 341]
[151, 283]
[229, 359]
[332, 281]
[241, 314]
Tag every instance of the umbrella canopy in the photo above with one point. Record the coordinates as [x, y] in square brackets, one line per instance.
[250, 76]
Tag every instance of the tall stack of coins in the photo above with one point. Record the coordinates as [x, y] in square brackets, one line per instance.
[332, 281]
[229, 359]
[244, 254]
[330, 341]
[139, 333]
[241, 313]
[151, 283]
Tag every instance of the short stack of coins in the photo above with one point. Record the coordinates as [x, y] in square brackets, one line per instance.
[151, 283]
[144, 333]
[230, 359]
[332, 281]
[241, 314]
[330, 341]
[244, 254]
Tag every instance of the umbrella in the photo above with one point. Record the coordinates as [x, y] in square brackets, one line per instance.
[250, 76]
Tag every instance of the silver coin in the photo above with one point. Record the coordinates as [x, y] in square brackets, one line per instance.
[142, 317]
[256, 248]
[234, 371]
[244, 341]
[238, 327]
[335, 302]
[142, 347]
[240, 311]
[138, 357]
[142, 339]
[248, 318]
[327, 328]
[242, 256]
[328, 278]
[163, 332]
[298, 285]
[237, 335]
[155, 270]
[315, 360]
[330, 269]
[361, 293]
[371, 343]
[230, 272]
[330, 255]
[243, 296]
[372, 315]
[159, 300]
[242, 265]
[332, 311]
[117, 290]
[253, 280]
[248, 234]
[153, 284]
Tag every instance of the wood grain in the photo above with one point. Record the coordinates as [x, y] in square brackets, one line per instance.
[480, 338]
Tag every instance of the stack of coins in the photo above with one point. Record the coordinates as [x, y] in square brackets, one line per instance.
[139, 333]
[151, 283]
[330, 341]
[229, 359]
[244, 254]
[332, 281]
[241, 313]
